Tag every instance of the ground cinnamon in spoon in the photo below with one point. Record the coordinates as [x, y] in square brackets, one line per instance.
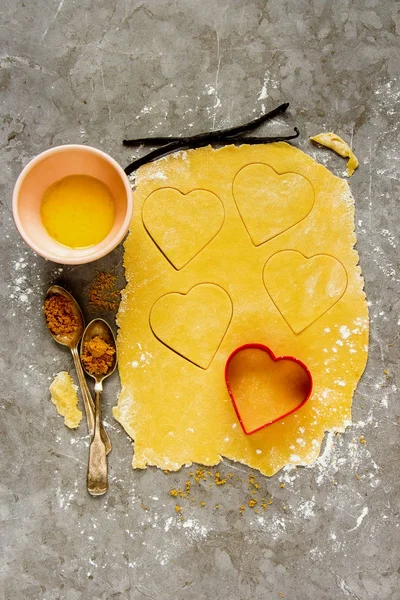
[97, 356]
[60, 315]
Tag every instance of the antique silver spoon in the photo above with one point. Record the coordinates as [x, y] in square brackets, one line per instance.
[98, 476]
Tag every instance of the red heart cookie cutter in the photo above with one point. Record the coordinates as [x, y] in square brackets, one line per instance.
[299, 384]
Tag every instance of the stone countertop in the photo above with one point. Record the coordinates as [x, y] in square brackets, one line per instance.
[94, 73]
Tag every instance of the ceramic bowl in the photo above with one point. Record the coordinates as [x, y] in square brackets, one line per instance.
[51, 166]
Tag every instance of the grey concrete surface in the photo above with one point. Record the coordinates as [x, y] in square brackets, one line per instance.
[93, 72]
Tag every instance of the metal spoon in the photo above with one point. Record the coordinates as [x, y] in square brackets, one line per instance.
[98, 476]
[71, 340]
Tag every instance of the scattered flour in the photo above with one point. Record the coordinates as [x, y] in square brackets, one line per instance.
[344, 332]
[360, 519]
[268, 83]
[158, 175]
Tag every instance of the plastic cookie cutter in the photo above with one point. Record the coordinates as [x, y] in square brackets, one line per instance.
[265, 388]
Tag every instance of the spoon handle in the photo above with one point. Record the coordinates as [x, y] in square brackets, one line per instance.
[97, 479]
[88, 401]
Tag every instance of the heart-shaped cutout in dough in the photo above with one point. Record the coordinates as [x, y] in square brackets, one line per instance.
[304, 288]
[182, 225]
[194, 324]
[270, 203]
[264, 388]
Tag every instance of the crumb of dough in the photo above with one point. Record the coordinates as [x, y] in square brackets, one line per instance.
[335, 143]
[199, 474]
[219, 480]
[253, 484]
[65, 398]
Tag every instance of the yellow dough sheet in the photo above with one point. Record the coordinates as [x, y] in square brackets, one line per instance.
[249, 244]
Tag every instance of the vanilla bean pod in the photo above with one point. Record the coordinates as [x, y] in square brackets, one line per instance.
[161, 140]
[232, 134]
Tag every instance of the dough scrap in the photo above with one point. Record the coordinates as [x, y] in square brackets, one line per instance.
[178, 412]
[335, 143]
[64, 397]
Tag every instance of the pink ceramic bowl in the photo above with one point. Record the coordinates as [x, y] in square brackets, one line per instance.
[52, 165]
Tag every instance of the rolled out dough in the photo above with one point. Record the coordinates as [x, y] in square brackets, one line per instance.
[271, 260]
